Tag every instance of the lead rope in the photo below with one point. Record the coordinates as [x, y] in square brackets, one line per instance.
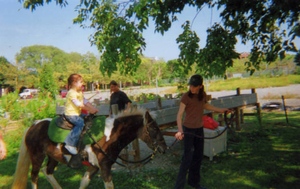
[228, 123]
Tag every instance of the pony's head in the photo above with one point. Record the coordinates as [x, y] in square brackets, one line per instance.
[151, 134]
[138, 123]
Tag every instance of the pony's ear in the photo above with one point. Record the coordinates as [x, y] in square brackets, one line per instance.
[148, 117]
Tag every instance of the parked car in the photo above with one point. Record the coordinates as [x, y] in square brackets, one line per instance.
[272, 106]
[63, 93]
[28, 93]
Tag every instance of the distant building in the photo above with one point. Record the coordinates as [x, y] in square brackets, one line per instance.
[244, 55]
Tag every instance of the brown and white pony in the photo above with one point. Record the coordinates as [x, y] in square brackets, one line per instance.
[126, 127]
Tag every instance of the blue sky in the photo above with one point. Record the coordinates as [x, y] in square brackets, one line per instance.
[53, 25]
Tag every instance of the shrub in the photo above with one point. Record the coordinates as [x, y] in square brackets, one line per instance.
[149, 96]
[33, 109]
[8, 100]
[2, 111]
[42, 107]
[297, 70]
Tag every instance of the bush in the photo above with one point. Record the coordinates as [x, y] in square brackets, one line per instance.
[297, 70]
[34, 109]
[2, 111]
[8, 100]
[149, 96]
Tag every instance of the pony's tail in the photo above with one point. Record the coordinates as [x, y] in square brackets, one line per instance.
[22, 169]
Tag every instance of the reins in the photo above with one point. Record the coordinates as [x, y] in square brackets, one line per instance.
[90, 135]
[143, 161]
[149, 158]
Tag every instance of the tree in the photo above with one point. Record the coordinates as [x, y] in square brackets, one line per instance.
[4, 79]
[13, 74]
[142, 72]
[5, 66]
[88, 62]
[148, 64]
[34, 57]
[47, 80]
[120, 26]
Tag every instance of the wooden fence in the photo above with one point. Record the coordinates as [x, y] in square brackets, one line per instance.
[166, 111]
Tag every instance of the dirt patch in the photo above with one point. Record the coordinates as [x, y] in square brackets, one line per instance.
[169, 161]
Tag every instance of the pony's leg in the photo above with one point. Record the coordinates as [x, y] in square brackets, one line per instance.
[37, 161]
[106, 175]
[91, 171]
[109, 185]
[48, 172]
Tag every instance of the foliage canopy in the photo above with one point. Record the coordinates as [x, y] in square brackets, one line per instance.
[36, 56]
[119, 31]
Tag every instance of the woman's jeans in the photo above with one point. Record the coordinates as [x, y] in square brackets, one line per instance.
[73, 136]
[191, 160]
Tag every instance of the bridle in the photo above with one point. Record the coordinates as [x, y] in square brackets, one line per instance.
[153, 144]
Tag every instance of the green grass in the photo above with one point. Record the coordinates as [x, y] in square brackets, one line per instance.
[253, 82]
[262, 156]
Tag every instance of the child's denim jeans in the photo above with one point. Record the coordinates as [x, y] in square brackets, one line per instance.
[73, 136]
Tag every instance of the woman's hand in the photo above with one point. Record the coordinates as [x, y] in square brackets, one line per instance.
[179, 135]
[225, 110]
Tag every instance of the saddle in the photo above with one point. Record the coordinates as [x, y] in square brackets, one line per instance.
[59, 128]
[76, 160]
[59, 133]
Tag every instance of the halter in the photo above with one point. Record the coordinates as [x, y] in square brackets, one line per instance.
[148, 135]
[151, 156]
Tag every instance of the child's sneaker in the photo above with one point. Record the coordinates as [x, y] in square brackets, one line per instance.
[71, 149]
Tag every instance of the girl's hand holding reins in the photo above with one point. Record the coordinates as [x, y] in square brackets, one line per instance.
[94, 111]
[179, 135]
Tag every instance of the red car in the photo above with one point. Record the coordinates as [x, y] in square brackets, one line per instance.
[63, 93]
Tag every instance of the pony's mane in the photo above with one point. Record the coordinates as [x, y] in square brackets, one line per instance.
[135, 111]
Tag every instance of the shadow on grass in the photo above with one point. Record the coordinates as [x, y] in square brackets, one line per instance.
[264, 158]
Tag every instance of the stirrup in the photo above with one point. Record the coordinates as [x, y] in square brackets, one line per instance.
[75, 161]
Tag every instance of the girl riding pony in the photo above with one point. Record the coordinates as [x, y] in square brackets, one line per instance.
[76, 102]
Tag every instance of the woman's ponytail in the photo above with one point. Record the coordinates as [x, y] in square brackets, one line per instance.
[201, 93]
